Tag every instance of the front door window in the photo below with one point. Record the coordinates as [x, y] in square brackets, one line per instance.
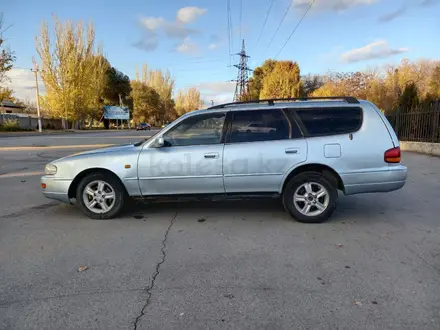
[196, 130]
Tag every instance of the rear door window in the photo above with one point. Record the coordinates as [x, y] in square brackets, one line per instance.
[330, 121]
[261, 125]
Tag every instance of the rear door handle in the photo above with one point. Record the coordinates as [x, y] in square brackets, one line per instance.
[211, 155]
[292, 151]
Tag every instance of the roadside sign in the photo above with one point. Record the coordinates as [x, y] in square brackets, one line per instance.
[114, 112]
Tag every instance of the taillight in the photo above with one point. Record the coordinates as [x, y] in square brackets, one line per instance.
[392, 155]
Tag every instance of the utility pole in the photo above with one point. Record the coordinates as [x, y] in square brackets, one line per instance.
[242, 88]
[37, 93]
[121, 104]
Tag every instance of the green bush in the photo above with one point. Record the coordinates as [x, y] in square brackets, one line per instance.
[10, 125]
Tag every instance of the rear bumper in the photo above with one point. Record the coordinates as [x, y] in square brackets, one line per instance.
[56, 188]
[376, 181]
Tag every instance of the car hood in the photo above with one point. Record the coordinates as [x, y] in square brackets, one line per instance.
[105, 150]
[109, 149]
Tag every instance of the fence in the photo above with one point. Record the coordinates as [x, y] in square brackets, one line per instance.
[25, 121]
[421, 123]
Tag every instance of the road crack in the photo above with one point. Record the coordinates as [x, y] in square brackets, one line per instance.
[150, 287]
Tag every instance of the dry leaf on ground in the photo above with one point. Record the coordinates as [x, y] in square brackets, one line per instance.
[82, 268]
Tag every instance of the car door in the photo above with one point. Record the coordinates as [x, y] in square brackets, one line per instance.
[258, 160]
[189, 162]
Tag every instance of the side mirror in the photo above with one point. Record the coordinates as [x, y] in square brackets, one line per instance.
[160, 142]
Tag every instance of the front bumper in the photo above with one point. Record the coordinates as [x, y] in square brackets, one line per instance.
[375, 181]
[56, 188]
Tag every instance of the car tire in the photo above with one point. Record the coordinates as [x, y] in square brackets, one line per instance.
[111, 185]
[319, 193]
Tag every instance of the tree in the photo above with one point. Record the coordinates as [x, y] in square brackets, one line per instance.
[6, 94]
[256, 82]
[95, 75]
[7, 57]
[31, 108]
[409, 99]
[73, 70]
[434, 85]
[282, 82]
[146, 102]
[163, 84]
[310, 83]
[189, 101]
[118, 84]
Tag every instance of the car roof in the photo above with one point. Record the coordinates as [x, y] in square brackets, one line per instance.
[302, 103]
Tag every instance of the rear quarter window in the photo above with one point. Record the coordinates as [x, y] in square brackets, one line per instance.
[330, 121]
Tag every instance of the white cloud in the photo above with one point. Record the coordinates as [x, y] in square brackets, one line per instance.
[331, 5]
[154, 26]
[374, 50]
[217, 86]
[22, 82]
[152, 23]
[219, 92]
[187, 47]
[178, 31]
[212, 46]
[189, 14]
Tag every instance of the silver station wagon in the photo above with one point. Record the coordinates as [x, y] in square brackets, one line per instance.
[302, 150]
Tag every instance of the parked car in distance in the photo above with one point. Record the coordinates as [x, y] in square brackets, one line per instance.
[256, 128]
[143, 127]
[314, 147]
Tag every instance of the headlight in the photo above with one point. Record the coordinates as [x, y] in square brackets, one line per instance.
[50, 169]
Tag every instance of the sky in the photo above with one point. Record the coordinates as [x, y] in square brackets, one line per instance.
[190, 37]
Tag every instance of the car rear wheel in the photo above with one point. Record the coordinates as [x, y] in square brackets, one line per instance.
[100, 196]
[310, 197]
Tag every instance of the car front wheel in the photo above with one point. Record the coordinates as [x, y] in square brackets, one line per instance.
[310, 197]
[100, 196]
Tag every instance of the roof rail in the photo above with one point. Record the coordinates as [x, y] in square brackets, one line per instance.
[348, 99]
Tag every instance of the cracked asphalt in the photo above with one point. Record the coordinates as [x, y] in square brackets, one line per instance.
[215, 265]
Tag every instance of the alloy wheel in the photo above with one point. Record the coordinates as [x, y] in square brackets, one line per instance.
[311, 199]
[99, 196]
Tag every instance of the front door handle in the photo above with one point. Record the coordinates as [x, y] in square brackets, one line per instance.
[292, 151]
[211, 155]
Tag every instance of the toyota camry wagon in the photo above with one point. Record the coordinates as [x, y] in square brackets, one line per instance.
[302, 150]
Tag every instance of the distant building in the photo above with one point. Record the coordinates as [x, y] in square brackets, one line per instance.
[7, 106]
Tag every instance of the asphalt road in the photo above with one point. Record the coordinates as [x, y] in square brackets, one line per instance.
[224, 265]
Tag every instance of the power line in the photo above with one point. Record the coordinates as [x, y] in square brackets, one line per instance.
[230, 41]
[279, 25]
[296, 27]
[265, 21]
[241, 16]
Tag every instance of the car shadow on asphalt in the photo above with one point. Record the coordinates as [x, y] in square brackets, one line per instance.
[366, 208]
[221, 207]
